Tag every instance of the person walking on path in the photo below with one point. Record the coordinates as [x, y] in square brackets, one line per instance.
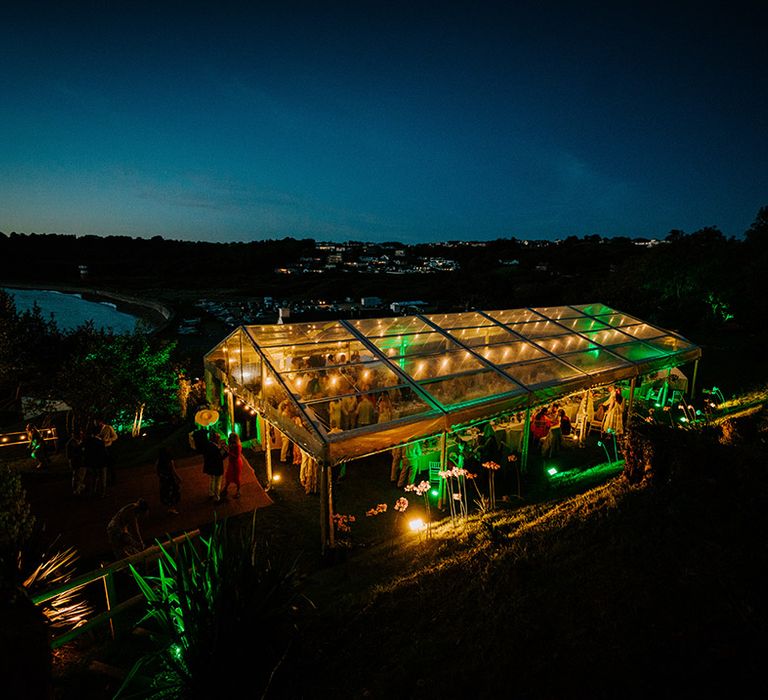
[95, 462]
[37, 448]
[170, 481]
[107, 435]
[123, 529]
[234, 465]
[213, 464]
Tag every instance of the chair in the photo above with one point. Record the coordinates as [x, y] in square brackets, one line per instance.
[434, 473]
[677, 397]
[596, 426]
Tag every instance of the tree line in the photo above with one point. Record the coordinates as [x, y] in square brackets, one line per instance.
[95, 371]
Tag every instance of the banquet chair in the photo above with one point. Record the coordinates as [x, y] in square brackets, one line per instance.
[436, 481]
[434, 473]
[596, 426]
[676, 397]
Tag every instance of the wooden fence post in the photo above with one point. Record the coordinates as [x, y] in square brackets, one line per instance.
[110, 594]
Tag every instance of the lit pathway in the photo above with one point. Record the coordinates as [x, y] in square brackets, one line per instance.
[82, 521]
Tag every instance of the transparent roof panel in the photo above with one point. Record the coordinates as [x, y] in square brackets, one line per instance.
[609, 337]
[538, 329]
[637, 351]
[513, 315]
[399, 325]
[617, 319]
[519, 351]
[422, 368]
[596, 360]
[488, 335]
[558, 312]
[643, 330]
[416, 344]
[469, 388]
[288, 358]
[594, 309]
[468, 319]
[565, 343]
[294, 333]
[315, 384]
[583, 324]
[669, 344]
[534, 374]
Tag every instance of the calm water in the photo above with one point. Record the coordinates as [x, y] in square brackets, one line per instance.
[71, 311]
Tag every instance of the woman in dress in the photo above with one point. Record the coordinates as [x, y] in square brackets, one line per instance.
[170, 481]
[614, 412]
[234, 465]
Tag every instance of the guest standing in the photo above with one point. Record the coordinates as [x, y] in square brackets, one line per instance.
[614, 412]
[95, 462]
[213, 465]
[37, 448]
[107, 435]
[234, 465]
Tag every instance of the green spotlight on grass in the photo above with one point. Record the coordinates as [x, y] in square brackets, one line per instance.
[551, 471]
[435, 493]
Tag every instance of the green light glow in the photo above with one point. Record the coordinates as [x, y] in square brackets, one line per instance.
[551, 471]
[435, 493]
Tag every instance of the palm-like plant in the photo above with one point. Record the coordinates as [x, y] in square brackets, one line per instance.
[215, 609]
[67, 609]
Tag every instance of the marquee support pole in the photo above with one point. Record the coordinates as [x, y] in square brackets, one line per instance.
[693, 383]
[526, 441]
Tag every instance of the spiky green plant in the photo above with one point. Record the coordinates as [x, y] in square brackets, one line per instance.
[218, 608]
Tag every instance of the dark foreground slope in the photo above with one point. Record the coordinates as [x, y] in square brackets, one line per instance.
[645, 590]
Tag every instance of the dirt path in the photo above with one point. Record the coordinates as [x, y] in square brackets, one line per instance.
[82, 520]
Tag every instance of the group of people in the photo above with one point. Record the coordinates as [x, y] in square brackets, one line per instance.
[352, 388]
[548, 426]
[90, 458]
[123, 529]
[215, 454]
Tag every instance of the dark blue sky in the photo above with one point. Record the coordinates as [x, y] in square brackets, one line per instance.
[382, 121]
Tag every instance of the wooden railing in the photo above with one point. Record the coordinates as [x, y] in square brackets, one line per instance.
[21, 437]
[106, 574]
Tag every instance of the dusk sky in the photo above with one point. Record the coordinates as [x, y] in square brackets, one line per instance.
[382, 121]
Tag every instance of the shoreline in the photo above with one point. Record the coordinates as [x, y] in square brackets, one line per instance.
[156, 314]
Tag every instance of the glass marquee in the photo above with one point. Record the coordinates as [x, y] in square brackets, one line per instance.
[344, 389]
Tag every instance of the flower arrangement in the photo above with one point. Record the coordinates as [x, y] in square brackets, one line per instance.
[459, 474]
[422, 489]
[512, 459]
[492, 468]
[419, 490]
[381, 508]
[343, 522]
[401, 505]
